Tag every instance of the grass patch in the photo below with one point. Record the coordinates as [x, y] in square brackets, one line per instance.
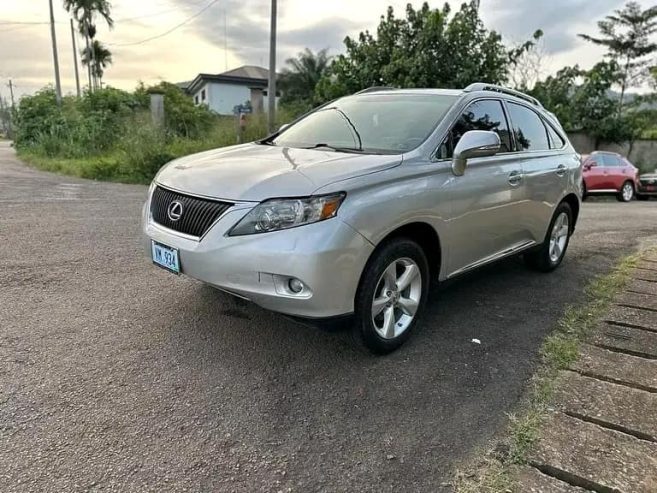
[559, 351]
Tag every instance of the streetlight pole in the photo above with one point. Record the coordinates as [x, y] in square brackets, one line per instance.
[58, 84]
[271, 90]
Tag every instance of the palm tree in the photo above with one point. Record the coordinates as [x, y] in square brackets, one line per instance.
[97, 58]
[85, 12]
[298, 80]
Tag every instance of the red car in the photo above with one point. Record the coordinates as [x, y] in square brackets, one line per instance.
[608, 173]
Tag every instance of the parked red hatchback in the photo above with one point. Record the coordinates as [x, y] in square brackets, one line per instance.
[608, 173]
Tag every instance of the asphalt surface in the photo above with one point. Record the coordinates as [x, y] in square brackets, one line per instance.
[115, 375]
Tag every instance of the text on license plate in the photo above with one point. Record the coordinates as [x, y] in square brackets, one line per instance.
[165, 257]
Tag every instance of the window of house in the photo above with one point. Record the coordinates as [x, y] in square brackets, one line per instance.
[480, 115]
[196, 99]
[529, 130]
[203, 95]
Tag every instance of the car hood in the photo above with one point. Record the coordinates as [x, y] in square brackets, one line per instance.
[648, 176]
[254, 172]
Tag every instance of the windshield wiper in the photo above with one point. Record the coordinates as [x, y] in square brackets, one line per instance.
[336, 148]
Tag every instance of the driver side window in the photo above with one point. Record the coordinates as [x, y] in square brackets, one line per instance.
[480, 115]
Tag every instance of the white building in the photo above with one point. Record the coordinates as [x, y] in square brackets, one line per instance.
[223, 92]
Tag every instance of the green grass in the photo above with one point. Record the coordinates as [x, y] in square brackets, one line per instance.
[559, 351]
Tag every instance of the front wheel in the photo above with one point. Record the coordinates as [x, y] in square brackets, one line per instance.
[392, 292]
[551, 253]
[626, 193]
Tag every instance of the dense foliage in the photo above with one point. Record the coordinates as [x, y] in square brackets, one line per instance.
[109, 133]
[427, 48]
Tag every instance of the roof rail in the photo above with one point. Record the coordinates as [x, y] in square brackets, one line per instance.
[375, 88]
[482, 86]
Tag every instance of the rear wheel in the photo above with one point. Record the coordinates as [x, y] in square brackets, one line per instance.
[551, 253]
[626, 192]
[584, 197]
[392, 292]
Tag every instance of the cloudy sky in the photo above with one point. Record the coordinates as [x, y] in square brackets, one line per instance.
[243, 27]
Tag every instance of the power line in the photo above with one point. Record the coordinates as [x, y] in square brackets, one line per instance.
[169, 31]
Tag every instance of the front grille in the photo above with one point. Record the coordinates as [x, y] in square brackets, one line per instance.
[197, 214]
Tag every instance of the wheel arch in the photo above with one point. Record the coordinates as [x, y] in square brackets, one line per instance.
[572, 200]
[425, 235]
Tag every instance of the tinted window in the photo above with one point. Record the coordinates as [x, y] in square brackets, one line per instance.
[480, 115]
[556, 141]
[531, 134]
[611, 161]
[388, 123]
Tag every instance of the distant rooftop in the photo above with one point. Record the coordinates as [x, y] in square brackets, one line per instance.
[248, 72]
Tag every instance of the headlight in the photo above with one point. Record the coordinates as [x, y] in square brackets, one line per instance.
[277, 214]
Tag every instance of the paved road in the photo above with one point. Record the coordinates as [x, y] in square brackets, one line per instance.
[117, 375]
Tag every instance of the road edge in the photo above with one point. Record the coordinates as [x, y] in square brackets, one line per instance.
[498, 466]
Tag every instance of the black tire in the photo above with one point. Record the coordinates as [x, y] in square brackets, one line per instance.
[584, 196]
[621, 196]
[364, 330]
[642, 197]
[540, 259]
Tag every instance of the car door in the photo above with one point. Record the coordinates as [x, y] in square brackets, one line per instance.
[615, 172]
[594, 173]
[545, 168]
[485, 202]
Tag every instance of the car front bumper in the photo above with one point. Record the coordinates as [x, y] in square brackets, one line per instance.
[328, 257]
[647, 190]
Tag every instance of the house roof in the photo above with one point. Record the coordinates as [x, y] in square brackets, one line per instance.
[249, 72]
[247, 75]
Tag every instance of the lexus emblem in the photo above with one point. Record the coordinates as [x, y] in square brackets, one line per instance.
[175, 210]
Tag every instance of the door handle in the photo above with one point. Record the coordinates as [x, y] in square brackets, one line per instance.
[561, 170]
[515, 177]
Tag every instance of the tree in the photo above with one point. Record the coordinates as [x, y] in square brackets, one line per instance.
[581, 101]
[98, 58]
[427, 48]
[299, 79]
[528, 63]
[626, 34]
[85, 12]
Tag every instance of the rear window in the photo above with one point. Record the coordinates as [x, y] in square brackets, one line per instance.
[530, 132]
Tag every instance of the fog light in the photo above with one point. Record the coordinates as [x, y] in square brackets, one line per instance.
[296, 286]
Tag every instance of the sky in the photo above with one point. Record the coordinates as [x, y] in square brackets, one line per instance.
[230, 33]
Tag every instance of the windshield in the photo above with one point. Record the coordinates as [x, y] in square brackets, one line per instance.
[382, 123]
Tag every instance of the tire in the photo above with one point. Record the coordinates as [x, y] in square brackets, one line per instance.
[584, 196]
[393, 324]
[544, 259]
[626, 193]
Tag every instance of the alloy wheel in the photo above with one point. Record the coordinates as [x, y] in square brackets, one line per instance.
[396, 298]
[559, 237]
[628, 192]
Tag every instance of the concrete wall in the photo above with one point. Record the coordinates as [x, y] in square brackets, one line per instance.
[644, 152]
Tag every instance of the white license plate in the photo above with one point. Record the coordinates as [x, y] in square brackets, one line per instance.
[165, 257]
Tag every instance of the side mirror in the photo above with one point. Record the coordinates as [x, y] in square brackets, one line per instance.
[475, 143]
[283, 127]
[589, 165]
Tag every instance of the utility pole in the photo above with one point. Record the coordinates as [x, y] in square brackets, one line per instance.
[75, 59]
[271, 90]
[53, 35]
[11, 91]
[225, 42]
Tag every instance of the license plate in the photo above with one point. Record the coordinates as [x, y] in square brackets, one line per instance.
[165, 257]
[650, 188]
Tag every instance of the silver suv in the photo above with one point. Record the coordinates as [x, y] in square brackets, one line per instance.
[355, 207]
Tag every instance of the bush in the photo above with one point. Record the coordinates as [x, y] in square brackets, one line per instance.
[108, 134]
